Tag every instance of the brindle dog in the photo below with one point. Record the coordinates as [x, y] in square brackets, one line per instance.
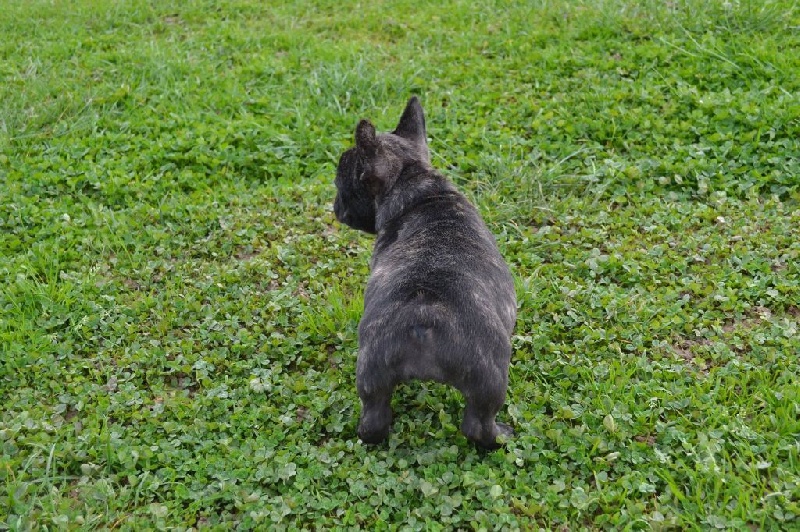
[440, 302]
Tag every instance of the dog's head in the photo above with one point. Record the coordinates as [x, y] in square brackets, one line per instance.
[370, 169]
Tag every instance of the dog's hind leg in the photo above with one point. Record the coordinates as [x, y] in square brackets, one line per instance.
[479, 425]
[375, 392]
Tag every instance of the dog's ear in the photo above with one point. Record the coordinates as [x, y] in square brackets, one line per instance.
[366, 138]
[378, 163]
[412, 123]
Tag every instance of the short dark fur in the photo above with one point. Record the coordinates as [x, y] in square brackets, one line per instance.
[440, 302]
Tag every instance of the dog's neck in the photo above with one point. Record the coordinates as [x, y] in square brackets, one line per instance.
[417, 183]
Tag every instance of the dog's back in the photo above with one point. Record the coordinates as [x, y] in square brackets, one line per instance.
[439, 280]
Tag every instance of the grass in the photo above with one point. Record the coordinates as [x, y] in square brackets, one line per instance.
[178, 308]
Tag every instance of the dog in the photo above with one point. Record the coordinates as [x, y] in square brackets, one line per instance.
[440, 302]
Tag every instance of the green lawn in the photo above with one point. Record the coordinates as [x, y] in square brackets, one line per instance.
[178, 305]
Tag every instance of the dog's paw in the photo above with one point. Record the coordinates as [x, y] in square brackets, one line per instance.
[505, 431]
[375, 432]
[372, 437]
